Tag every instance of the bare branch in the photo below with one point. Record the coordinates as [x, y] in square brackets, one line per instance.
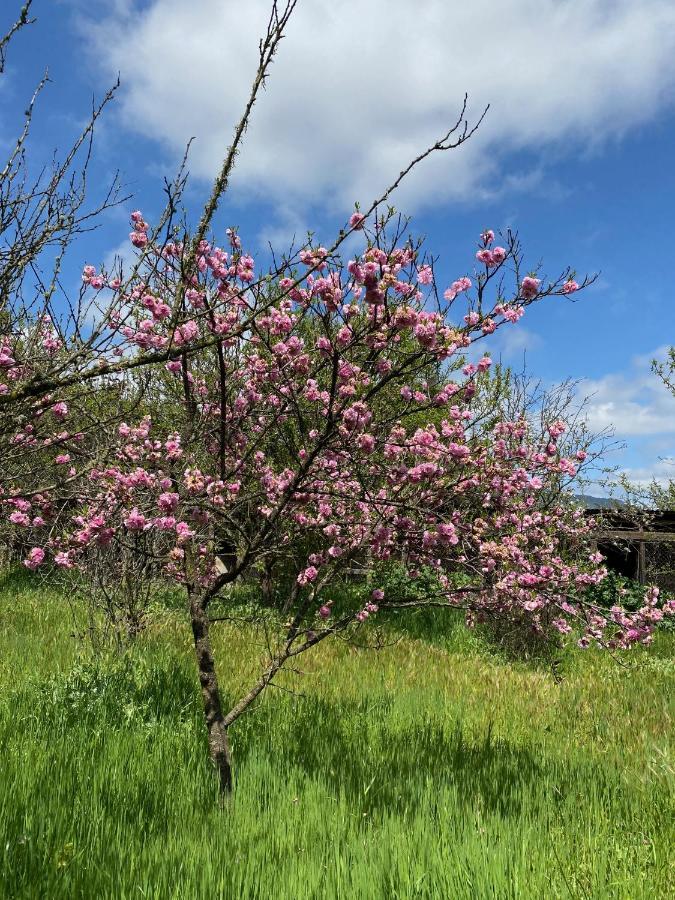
[20, 23]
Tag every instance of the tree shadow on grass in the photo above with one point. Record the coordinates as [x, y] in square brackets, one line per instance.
[16, 580]
[387, 767]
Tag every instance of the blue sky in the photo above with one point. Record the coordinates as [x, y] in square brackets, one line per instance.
[576, 152]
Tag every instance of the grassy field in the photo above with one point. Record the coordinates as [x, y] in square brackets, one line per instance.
[431, 768]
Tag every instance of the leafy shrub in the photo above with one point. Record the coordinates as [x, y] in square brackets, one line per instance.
[119, 691]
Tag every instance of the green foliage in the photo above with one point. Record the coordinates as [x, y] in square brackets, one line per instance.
[617, 590]
[129, 690]
[399, 587]
[412, 772]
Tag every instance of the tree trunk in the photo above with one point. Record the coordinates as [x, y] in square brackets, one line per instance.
[219, 745]
[267, 583]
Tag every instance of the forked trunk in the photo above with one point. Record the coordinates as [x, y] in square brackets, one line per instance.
[219, 744]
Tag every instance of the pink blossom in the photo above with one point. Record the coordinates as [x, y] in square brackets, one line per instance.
[184, 533]
[555, 429]
[513, 313]
[35, 558]
[462, 284]
[425, 275]
[308, 575]
[165, 523]
[344, 335]
[561, 625]
[19, 518]
[168, 502]
[138, 239]
[135, 521]
[60, 410]
[63, 560]
[366, 442]
[529, 287]
[185, 333]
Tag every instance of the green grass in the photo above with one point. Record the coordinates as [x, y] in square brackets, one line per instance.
[427, 769]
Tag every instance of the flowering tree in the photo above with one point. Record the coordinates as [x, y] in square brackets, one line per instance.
[282, 446]
[271, 432]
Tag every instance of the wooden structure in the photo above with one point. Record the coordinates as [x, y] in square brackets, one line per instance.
[641, 548]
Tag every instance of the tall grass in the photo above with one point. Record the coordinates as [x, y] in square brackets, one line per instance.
[426, 769]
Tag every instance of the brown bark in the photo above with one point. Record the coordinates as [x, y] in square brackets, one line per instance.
[267, 583]
[219, 744]
[257, 689]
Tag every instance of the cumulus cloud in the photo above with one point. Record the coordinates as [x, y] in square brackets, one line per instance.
[634, 402]
[662, 471]
[359, 88]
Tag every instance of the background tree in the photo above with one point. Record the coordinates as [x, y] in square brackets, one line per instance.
[658, 494]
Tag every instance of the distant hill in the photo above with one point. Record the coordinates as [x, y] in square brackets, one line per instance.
[590, 502]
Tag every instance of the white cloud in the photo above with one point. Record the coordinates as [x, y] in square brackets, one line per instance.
[662, 471]
[358, 88]
[634, 402]
[512, 344]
